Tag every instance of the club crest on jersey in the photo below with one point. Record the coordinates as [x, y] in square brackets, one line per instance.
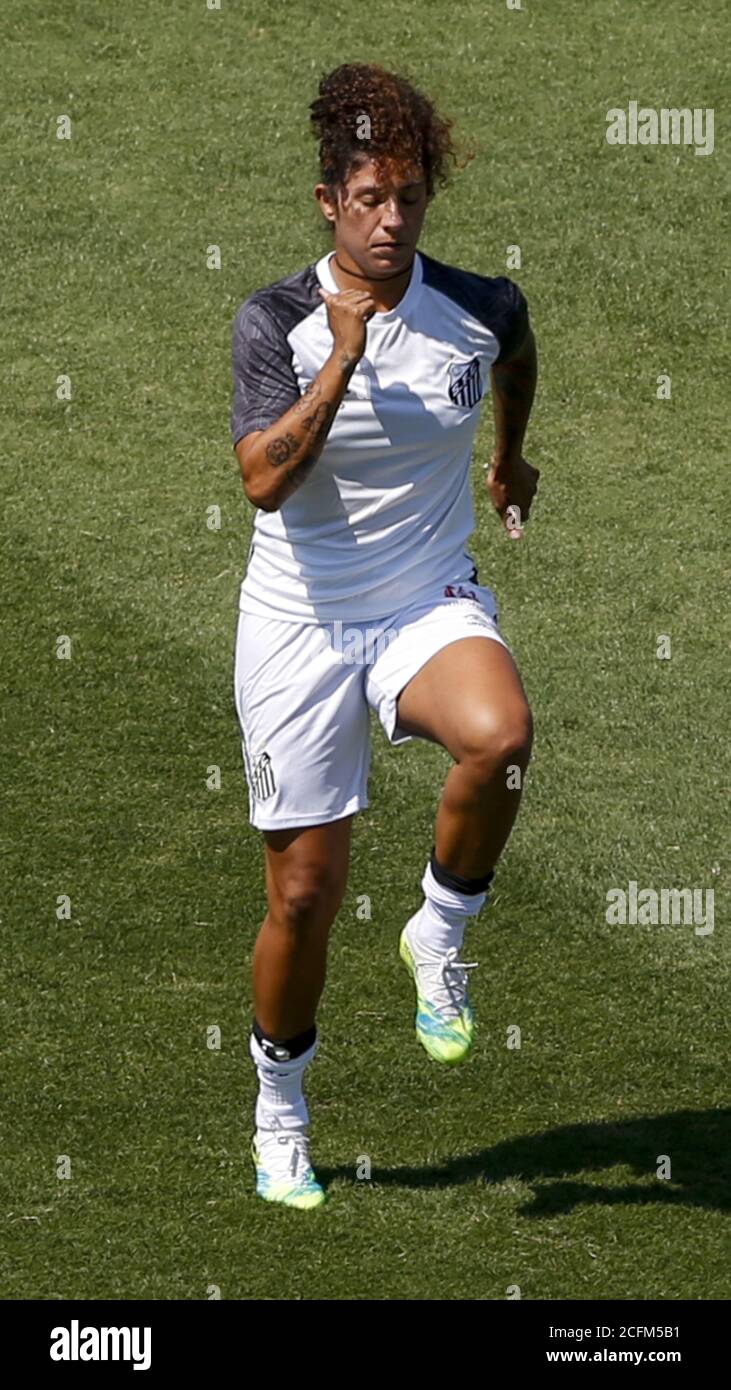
[262, 777]
[465, 383]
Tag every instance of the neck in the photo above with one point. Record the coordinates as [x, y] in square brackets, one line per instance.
[386, 290]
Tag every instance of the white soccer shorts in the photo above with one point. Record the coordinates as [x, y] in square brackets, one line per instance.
[303, 692]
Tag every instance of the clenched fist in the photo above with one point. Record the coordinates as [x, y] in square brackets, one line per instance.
[348, 312]
[512, 488]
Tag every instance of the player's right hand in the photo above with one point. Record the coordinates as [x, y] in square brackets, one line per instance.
[348, 312]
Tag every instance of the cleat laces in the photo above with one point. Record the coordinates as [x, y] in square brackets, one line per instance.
[443, 982]
[297, 1162]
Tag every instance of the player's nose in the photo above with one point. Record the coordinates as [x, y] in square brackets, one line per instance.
[392, 215]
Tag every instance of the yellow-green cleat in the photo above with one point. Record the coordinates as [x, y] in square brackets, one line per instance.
[283, 1171]
[445, 1022]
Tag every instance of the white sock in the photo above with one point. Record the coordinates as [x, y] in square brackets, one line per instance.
[444, 914]
[281, 1101]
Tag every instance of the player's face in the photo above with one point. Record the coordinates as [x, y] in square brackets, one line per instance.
[378, 219]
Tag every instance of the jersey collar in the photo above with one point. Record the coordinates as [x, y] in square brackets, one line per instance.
[327, 280]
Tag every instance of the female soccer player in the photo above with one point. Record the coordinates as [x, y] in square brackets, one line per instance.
[357, 393]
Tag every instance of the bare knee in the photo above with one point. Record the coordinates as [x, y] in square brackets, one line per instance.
[495, 743]
[307, 900]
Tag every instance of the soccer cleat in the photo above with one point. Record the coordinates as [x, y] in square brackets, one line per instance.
[445, 1022]
[283, 1171]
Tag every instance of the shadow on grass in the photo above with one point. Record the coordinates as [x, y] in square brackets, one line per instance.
[698, 1143]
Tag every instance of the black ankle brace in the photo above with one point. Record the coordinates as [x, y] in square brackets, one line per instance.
[447, 879]
[283, 1049]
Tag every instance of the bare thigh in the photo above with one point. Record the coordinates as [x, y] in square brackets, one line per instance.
[467, 696]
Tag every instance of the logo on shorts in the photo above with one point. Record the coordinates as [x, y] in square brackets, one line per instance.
[458, 591]
[465, 383]
[262, 777]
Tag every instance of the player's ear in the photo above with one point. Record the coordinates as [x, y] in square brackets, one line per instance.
[327, 207]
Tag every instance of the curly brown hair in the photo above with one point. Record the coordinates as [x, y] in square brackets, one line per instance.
[365, 112]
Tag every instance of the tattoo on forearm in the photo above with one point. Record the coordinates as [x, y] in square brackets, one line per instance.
[282, 449]
[309, 395]
[317, 422]
[316, 425]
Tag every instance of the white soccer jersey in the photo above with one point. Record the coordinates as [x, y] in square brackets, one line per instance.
[387, 507]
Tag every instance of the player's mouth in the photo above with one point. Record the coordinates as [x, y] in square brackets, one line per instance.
[388, 248]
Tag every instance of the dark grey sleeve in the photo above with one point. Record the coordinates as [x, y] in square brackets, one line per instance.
[509, 316]
[264, 382]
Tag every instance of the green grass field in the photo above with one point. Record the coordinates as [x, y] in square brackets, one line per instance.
[533, 1167]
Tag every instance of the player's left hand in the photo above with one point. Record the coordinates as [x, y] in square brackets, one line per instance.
[512, 487]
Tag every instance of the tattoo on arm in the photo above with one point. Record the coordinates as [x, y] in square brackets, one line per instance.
[309, 395]
[316, 425]
[317, 416]
[317, 422]
[282, 449]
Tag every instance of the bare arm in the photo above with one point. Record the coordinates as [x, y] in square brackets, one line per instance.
[511, 480]
[276, 461]
[513, 389]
